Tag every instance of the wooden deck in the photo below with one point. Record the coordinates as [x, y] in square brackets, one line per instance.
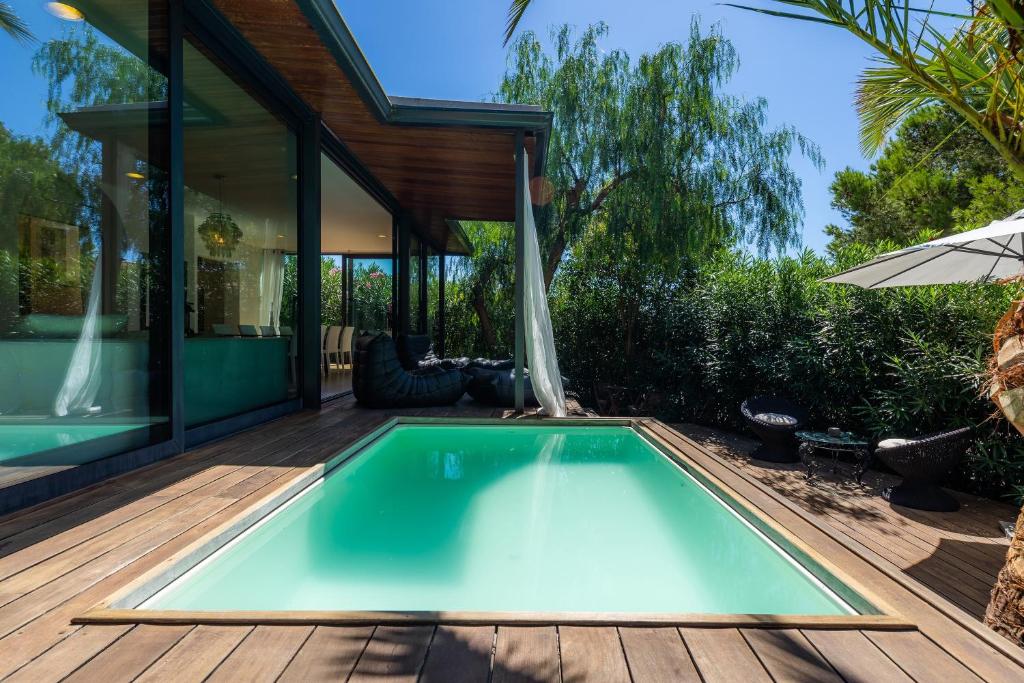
[59, 559]
[956, 555]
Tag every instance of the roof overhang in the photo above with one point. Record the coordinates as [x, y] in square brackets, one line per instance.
[438, 160]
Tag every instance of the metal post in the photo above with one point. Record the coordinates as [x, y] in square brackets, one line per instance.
[176, 205]
[402, 257]
[309, 263]
[520, 290]
[441, 331]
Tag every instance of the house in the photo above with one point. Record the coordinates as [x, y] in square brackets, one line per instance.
[162, 281]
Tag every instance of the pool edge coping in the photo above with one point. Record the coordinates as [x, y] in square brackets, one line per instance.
[117, 609]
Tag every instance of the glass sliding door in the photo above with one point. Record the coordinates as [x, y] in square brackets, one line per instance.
[84, 274]
[355, 271]
[241, 241]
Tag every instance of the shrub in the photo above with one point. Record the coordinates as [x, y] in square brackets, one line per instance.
[901, 361]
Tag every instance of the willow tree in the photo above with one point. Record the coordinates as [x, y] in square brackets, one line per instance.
[655, 147]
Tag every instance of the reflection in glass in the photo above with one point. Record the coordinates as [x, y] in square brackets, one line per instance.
[83, 234]
[433, 294]
[415, 275]
[241, 236]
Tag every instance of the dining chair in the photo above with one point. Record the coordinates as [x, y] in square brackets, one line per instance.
[331, 346]
[323, 353]
[346, 345]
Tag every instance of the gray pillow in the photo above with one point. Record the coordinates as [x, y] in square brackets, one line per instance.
[777, 419]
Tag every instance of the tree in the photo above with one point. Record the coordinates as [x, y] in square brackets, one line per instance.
[935, 176]
[655, 147]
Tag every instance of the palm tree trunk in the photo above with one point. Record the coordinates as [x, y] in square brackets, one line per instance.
[1005, 613]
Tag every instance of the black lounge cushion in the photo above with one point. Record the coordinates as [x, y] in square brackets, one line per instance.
[497, 386]
[380, 381]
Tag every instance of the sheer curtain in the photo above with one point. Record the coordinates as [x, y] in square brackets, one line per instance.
[82, 378]
[271, 287]
[540, 339]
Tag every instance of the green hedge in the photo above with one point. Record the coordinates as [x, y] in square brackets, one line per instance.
[887, 362]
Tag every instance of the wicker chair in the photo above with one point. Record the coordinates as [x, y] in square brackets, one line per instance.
[924, 462]
[774, 420]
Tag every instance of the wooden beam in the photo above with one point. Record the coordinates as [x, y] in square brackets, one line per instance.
[520, 290]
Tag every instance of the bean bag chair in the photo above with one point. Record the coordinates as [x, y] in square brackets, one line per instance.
[380, 381]
[416, 352]
[497, 386]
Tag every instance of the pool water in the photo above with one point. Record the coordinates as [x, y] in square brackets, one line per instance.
[505, 518]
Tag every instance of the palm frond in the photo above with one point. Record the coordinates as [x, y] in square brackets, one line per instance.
[515, 14]
[14, 25]
[976, 69]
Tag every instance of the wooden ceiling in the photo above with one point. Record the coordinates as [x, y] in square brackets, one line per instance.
[435, 172]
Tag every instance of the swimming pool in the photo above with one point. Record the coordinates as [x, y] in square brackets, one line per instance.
[430, 518]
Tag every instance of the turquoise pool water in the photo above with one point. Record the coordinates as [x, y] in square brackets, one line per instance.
[504, 518]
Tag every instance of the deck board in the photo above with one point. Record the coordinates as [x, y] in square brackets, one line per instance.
[855, 657]
[330, 654]
[592, 654]
[459, 653]
[526, 654]
[263, 655]
[394, 652]
[657, 654]
[60, 558]
[130, 655]
[723, 656]
[197, 655]
[789, 656]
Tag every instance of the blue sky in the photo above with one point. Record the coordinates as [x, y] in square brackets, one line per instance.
[808, 73]
[453, 50]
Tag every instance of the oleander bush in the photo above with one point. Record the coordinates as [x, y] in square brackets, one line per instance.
[902, 361]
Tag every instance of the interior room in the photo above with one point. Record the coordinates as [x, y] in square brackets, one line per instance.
[357, 269]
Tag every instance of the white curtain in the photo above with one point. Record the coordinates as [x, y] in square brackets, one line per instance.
[540, 339]
[82, 379]
[271, 287]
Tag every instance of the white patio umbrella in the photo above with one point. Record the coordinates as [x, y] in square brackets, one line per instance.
[988, 254]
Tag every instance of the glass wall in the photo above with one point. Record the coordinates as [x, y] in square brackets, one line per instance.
[241, 236]
[433, 293]
[370, 307]
[84, 352]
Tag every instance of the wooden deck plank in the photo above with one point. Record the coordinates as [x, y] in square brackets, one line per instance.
[789, 656]
[52, 625]
[69, 654]
[329, 654]
[856, 658]
[657, 654]
[130, 655]
[722, 655]
[264, 654]
[920, 658]
[459, 654]
[395, 652]
[77, 555]
[956, 631]
[592, 654]
[196, 655]
[525, 654]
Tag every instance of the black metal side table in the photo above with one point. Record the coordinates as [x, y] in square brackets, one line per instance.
[845, 442]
